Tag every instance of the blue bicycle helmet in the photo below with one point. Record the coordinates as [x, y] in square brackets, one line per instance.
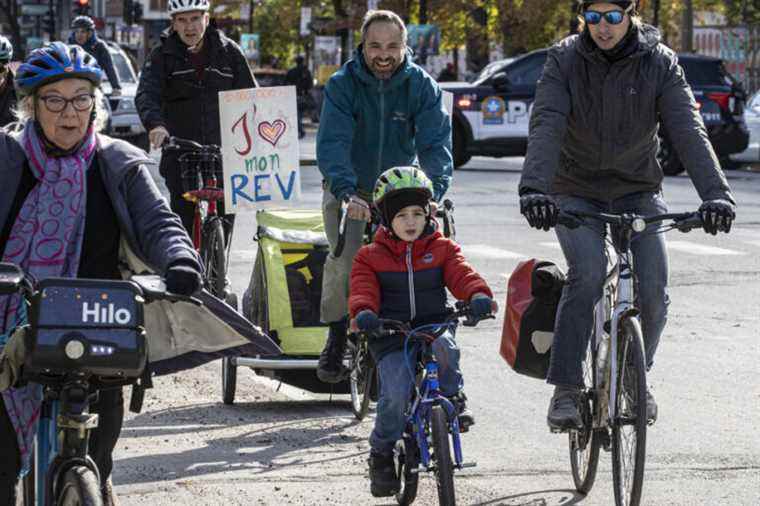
[54, 62]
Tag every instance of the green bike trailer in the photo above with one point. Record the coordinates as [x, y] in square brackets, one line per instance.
[283, 298]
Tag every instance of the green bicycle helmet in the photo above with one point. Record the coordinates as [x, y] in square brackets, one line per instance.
[400, 187]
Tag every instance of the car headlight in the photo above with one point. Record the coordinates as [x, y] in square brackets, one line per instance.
[127, 104]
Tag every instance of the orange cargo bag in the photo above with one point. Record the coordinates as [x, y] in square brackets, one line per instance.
[533, 292]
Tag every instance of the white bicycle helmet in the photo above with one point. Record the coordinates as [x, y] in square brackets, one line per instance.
[178, 6]
[6, 50]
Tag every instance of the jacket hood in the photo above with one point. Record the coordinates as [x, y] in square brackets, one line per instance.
[648, 37]
[359, 68]
[385, 237]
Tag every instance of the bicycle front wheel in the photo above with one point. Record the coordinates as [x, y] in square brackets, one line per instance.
[214, 256]
[629, 429]
[585, 443]
[363, 375]
[79, 487]
[444, 469]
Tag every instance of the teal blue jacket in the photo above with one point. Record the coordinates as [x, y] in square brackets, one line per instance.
[368, 125]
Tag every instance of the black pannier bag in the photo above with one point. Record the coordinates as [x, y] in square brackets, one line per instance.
[533, 293]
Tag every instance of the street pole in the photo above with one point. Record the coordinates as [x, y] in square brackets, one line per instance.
[687, 30]
[252, 5]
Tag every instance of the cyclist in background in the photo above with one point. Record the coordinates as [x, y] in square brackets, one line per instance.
[179, 87]
[7, 90]
[85, 195]
[84, 35]
[592, 147]
[380, 111]
[384, 285]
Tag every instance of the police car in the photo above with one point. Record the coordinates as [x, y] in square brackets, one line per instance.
[491, 115]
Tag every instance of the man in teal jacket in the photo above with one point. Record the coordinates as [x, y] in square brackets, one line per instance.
[380, 111]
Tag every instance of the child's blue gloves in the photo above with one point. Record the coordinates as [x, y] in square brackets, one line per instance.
[367, 321]
[480, 306]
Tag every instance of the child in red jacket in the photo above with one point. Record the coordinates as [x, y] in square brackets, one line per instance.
[403, 275]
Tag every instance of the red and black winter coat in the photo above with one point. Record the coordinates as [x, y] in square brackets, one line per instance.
[407, 281]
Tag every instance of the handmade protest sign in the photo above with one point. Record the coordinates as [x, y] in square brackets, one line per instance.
[259, 147]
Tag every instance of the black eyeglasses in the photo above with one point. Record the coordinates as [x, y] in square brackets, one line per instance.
[81, 103]
[612, 17]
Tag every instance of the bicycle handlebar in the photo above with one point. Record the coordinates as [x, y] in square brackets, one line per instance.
[684, 222]
[178, 144]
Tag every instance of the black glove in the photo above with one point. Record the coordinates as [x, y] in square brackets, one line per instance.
[481, 306]
[183, 279]
[539, 209]
[367, 321]
[717, 216]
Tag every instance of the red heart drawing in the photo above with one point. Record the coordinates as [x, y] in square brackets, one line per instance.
[271, 132]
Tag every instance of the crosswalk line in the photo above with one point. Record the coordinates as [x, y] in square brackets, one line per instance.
[754, 242]
[243, 255]
[701, 249]
[486, 251]
[553, 245]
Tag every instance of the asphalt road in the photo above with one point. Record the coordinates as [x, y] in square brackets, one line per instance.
[290, 447]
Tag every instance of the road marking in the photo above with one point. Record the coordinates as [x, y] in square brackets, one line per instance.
[486, 251]
[701, 249]
[243, 255]
[553, 245]
[753, 243]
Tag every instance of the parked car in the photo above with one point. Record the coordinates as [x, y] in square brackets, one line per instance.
[491, 115]
[752, 119]
[125, 122]
[721, 102]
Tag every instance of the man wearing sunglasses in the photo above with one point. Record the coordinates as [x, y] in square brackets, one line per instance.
[592, 147]
[7, 91]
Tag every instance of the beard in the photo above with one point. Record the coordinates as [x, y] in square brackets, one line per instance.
[384, 68]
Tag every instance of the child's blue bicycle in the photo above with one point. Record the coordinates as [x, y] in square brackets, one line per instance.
[432, 429]
[83, 336]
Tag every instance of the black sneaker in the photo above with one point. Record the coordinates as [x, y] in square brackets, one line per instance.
[564, 412]
[651, 408]
[464, 415]
[382, 475]
[330, 368]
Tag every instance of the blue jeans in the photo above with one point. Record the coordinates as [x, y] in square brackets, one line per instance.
[584, 250]
[396, 386]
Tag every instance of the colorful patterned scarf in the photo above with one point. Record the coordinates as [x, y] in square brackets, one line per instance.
[46, 241]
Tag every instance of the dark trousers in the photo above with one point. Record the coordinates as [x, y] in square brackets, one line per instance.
[110, 410]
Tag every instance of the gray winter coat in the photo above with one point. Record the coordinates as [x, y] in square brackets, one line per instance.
[593, 130]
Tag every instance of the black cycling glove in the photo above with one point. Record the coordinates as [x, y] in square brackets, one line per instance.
[183, 279]
[480, 306]
[717, 216]
[539, 209]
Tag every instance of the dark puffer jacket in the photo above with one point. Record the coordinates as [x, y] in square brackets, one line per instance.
[593, 130]
[7, 101]
[407, 281]
[170, 94]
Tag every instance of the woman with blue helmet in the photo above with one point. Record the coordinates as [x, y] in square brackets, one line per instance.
[86, 195]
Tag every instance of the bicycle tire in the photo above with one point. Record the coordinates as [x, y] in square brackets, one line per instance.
[214, 255]
[406, 459]
[628, 463]
[229, 380]
[362, 376]
[79, 487]
[29, 485]
[584, 445]
[444, 468]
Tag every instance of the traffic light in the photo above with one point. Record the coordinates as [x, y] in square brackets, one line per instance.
[48, 24]
[138, 12]
[81, 7]
[128, 11]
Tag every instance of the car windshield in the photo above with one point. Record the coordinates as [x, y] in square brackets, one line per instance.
[123, 68]
[705, 72]
[491, 69]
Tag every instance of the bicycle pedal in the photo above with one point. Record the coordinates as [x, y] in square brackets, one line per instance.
[468, 464]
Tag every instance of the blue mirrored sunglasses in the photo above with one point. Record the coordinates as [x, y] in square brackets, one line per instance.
[612, 17]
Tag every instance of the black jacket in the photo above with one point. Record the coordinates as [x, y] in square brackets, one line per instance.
[593, 130]
[170, 94]
[300, 77]
[98, 49]
[7, 101]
